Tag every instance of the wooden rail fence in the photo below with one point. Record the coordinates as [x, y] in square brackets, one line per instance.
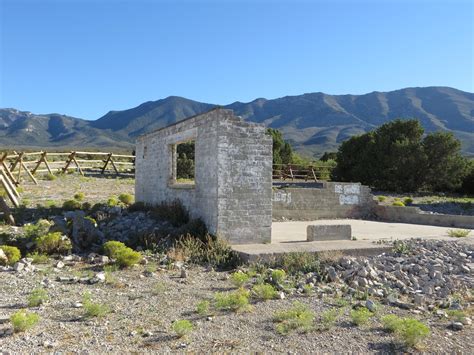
[314, 172]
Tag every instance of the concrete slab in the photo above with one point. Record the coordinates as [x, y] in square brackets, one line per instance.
[291, 237]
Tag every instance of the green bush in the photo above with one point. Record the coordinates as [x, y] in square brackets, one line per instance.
[398, 204]
[391, 323]
[237, 301]
[112, 202]
[37, 297]
[50, 177]
[126, 199]
[112, 247]
[329, 318]
[79, 196]
[40, 228]
[38, 258]
[361, 316]
[13, 253]
[174, 212]
[92, 309]
[407, 201]
[239, 278]
[182, 327]
[381, 198]
[202, 308]
[23, 320]
[298, 317]
[412, 332]
[296, 262]
[278, 276]
[71, 205]
[53, 243]
[459, 233]
[128, 257]
[264, 292]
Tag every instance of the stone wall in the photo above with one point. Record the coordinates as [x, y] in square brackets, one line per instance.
[233, 174]
[414, 215]
[332, 200]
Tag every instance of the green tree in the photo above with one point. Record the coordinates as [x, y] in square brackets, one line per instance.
[282, 151]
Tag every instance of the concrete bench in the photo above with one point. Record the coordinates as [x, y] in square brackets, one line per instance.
[315, 233]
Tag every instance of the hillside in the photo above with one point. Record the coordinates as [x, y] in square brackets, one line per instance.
[314, 122]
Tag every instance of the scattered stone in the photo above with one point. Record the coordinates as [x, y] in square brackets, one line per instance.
[370, 305]
[184, 273]
[60, 264]
[457, 326]
[3, 257]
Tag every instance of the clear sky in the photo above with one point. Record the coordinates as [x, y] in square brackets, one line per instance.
[84, 58]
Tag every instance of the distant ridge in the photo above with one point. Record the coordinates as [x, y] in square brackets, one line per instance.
[313, 122]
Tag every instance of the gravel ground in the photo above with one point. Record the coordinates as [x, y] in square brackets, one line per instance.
[143, 309]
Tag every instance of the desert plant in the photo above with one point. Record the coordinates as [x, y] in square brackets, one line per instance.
[407, 201]
[174, 212]
[50, 177]
[38, 258]
[298, 317]
[400, 247]
[296, 262]
[329, 318]
[182, 327]
[23, 320]
[398, 204]
[308, 289]
[128, 257]
[264, 292]
[126, 199]
[112, 248]
[391, 323]
[412, 332]
[79, 196]
[278, 276]
[71, 205]
[37, 297]
[381, 198]
[53, 243]
[40, 228]
[457, 315]
[93, 309]
[13, 254]
[237, 301]
[459, 233]
[112, 202]
[360, 316]
[202, 308]
[239, 278]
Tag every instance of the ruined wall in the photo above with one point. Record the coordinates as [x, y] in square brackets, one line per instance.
[332, 200]
[232, 190]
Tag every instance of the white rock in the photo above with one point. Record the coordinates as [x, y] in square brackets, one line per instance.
[60, 264]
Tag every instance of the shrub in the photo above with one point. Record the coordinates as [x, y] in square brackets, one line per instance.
[381, 198]
[459, 233]
[174, 212]
[79, 196]
[50, 177]
[23, 320]
[71, 205]
[411, 331]
[278, 276]
[128, 257]
[202, 308]
[398, 204]
[298, 317]
[53, 243]
[391, 323]
[407, 201]
[361, 316]
[237, 301]
[112, 202]
[239, 278]
[13, 253]
[182, 327]
[457, 315]
[400, 247]
[112, 247]
[38, 258]
[37, 297]
[296, 262]
[126, 199]
[264, 292]
[40, 228]
[92, 309]
[329, 318]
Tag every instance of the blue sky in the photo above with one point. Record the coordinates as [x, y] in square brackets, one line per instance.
[84, 58]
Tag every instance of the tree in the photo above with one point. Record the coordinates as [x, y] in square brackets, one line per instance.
[282, 151]
[395, 157]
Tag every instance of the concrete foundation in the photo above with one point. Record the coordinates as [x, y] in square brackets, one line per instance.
[315, 233]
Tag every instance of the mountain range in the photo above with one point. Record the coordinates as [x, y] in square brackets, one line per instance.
[313, 123]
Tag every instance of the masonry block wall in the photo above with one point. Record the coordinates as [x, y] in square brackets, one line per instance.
[233, 174]
[332, 200]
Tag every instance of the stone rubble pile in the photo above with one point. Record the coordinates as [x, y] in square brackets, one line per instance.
[429, 271]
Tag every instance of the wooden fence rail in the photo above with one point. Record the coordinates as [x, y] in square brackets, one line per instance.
[314, 172]
[16, 164]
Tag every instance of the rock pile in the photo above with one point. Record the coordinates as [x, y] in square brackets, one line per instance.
[427, 271]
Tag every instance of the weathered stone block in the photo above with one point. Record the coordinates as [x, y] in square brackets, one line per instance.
[316, 233]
